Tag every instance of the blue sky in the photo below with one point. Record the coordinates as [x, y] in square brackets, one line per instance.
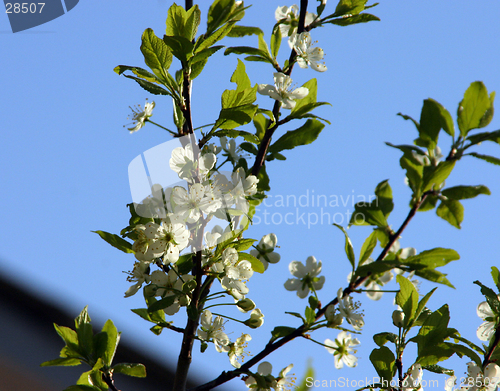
[65, 157]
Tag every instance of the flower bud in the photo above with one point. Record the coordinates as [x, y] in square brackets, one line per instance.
[398, 318]
[245, 305]
[256, 319]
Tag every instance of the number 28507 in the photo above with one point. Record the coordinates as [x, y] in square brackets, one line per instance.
[24, 8]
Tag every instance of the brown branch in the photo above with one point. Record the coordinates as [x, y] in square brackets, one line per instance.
[271, 347]
[492, 348]
[266, 140]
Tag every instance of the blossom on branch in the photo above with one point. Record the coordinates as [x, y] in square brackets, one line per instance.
[306, 277]
[139, 116]
[281, 90]
[264, 251]
[306, 54]
[341, 350]
[289, 18]
[487, 329]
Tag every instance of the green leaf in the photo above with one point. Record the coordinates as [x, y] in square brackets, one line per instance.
[116, 241]
[162, 304]
[349, 250]
[142, 73]
[439, 369]
[157, 54]
[310, 315]
[434, 276]
[203, 55]
[257, 265]
[367, 248]
[368, 214]
[434, 330]
[113, 337]
[484, 136]
[68, 335]
[382, 338]
[491, 297]
[280, 332]
[258, 54]
[465, 192]
[355, 19]
[407, 117]
[432, 258]
[242, 244]
[309, 99]
[430, 124]
[495, 274]
[233, 133]
[350, 7]
[181, 47]
[135, 370]
[384, 197]
[241, 31]
[435, 175]
[304, 135]
[181, 23]
[452, 211]
[275, 41]
[84, 332]
[184, 264]
[384, 362]
[313, 302]
[474, 106]
[489, 159]
[223, 11]
[149, 87]
[420, 308]
[62, 361]
[433, 353]
[462, 350]
[407, 298]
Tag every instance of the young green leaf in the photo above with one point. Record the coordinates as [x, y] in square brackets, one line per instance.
[407, 298]
[452, 211]
[116, 241]
[135, 370]
[367, 248]
[304, 135]
[349, 250]
[157, 55]
[465, 192]
[384, 363]
[474, 106]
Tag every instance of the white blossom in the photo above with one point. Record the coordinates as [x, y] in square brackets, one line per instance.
[212, 330]
[348, 310]
[140, 116]
[487, 328]
[290, 16]
[342, 350]
[189, 164]
[264, 251]
[306, 277]
[306, 54]
[281, 90]
[139, 275]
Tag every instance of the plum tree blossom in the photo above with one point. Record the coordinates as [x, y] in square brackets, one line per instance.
[306, 54]
[281, 90]
[348, 310]
[169, 238]
[140, 116]
[188, 163]
[487, 328]
[264, 251]
[413, 379]
[211, 330]
[306, 277]
[139, 275]
[290, 17]
[341, 349]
